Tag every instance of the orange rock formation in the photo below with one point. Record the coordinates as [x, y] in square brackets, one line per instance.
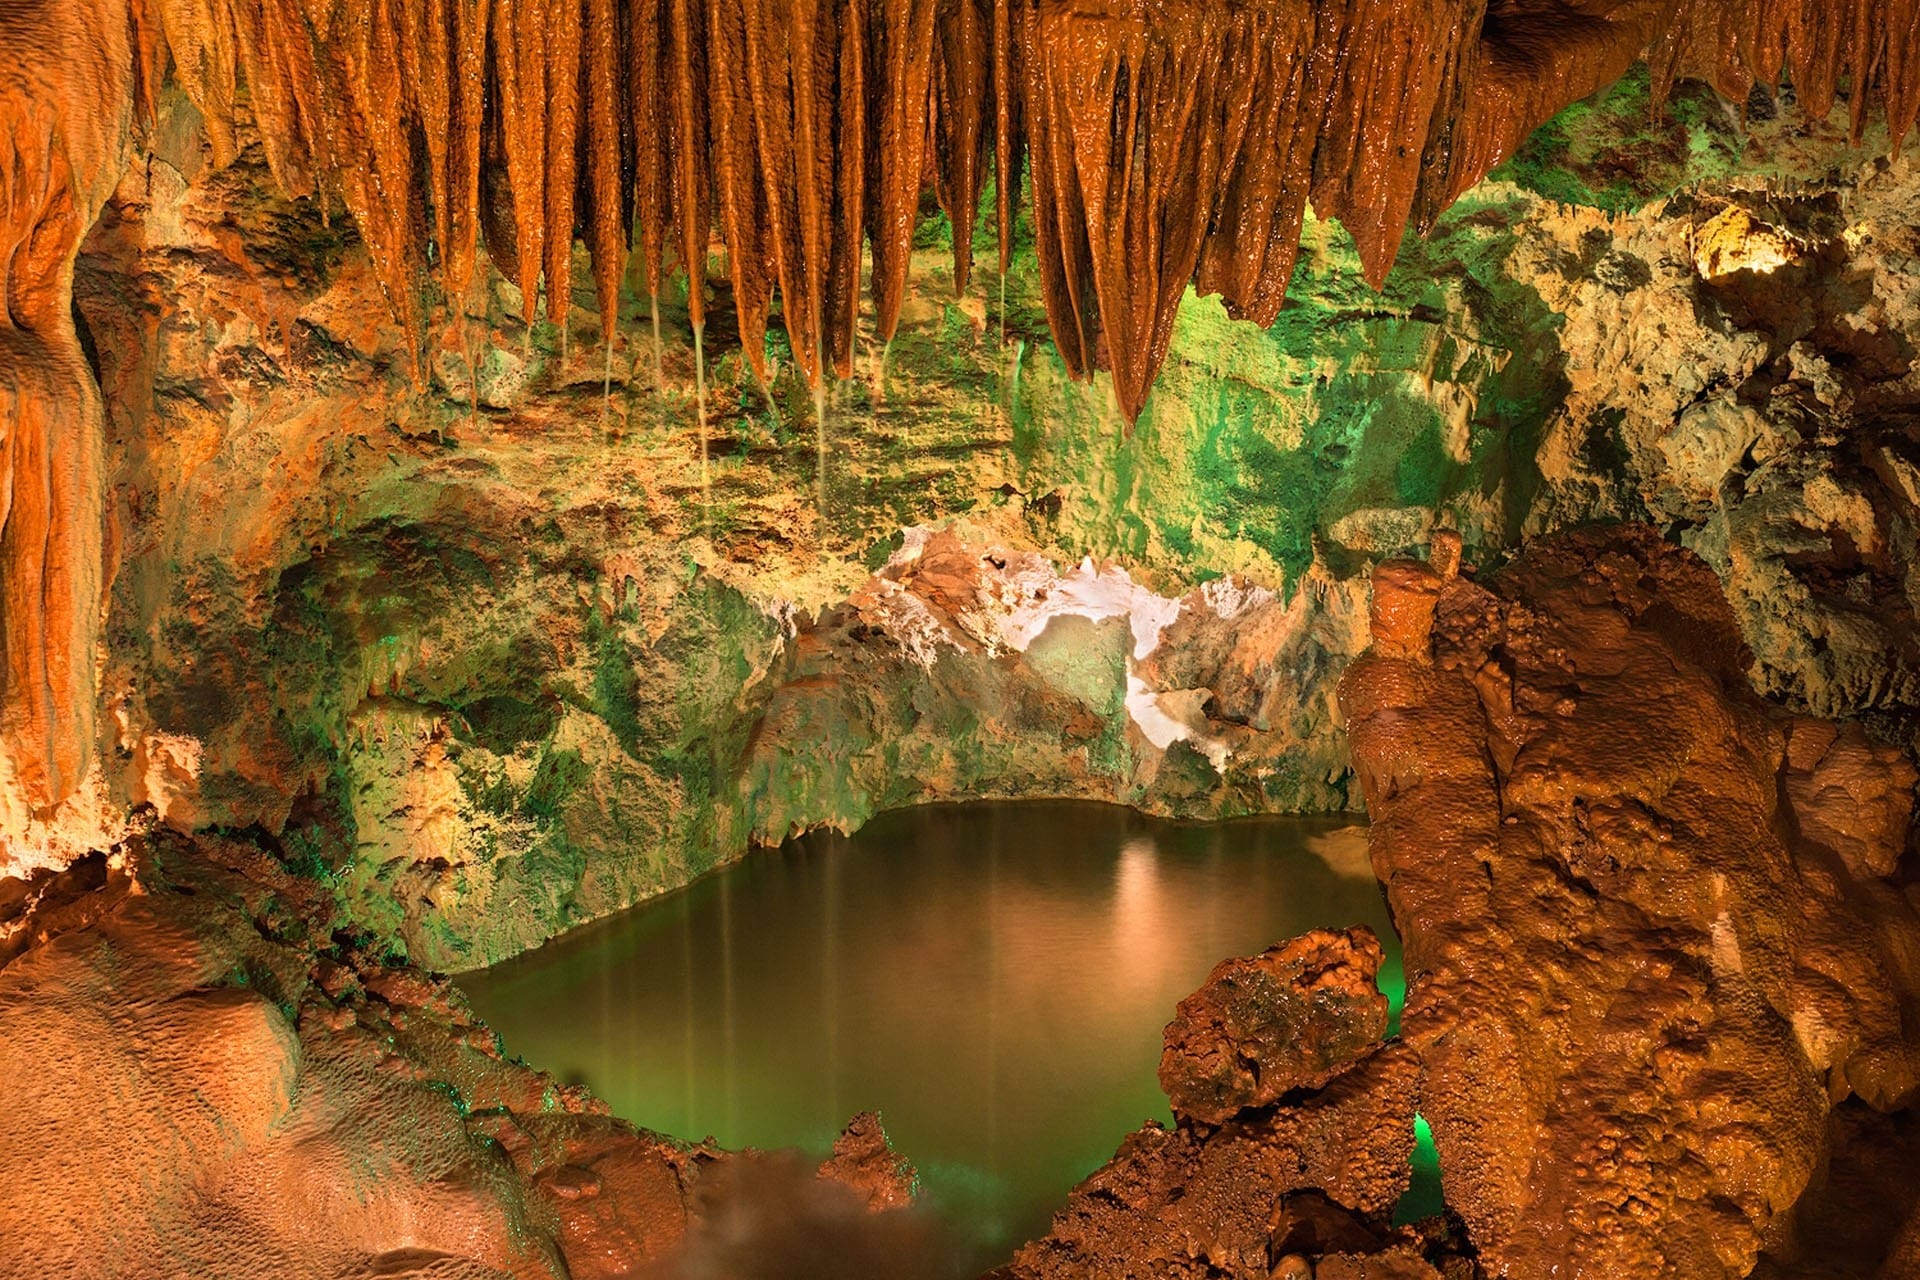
[1651, 938]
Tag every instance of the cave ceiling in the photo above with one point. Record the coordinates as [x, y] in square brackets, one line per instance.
[1151, 146]
[1159, 143]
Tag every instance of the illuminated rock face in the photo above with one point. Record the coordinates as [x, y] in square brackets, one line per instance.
[1643, 959]
[510, 670]
[69, 77]
[1164, 146]
[209, 1080]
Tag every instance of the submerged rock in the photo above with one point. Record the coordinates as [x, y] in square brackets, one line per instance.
[864, 1161]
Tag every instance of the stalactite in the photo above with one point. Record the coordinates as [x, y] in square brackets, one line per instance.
[1525, 66]
[520, 77]
[1248, 256]
[648, 132]
[777, 49]
[901, 73]
[962, 84]
[605, 116]
[562, 111]
[1383, 69]
[1007, 141]
[849, 189]
[738, 187]
[466, 100]
[1058, 220]
[688, 143]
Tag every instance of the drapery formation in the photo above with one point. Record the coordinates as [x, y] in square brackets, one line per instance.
[1166, 141]
[72, 73]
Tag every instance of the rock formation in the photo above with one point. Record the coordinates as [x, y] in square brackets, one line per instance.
[1644, 961]
[71, 78]
[1264, 1026]
[1164, 145]
[1300, 1172]
[210, 1079]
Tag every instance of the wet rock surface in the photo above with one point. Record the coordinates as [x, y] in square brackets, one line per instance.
[1648, 943]
[1264, 1026]
[504, 671]
[1309, 1179]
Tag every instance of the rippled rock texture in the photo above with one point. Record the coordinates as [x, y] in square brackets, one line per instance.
[208, 1078]
[1655, 928]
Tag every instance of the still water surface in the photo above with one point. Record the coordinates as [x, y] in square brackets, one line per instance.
[991, 978]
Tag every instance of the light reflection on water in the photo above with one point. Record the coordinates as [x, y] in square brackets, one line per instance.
[992, 978]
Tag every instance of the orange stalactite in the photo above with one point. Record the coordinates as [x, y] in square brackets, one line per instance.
[739, 191]
[562, 110]
[1007, 140]
[901, 44]
[1248, 256]
[519, 42]
[848, 212]
[1165, 144]
[689, 120]
[648, 132]
[604, 116]
[466, 101]
[962, 84]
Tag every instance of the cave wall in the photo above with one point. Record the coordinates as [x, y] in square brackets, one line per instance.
[493, 669]
[504, 637]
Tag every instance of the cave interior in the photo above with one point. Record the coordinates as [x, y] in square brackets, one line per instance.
[1341, 579]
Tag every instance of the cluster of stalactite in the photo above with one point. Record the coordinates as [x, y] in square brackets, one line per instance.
[1166, 142]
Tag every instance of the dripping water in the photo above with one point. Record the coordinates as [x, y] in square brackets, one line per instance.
[1003, 306]
[700, 407]
[659, 377]
[606, 386]
[1013, 382]
[880, 371]
[473, 370]
[820, 439]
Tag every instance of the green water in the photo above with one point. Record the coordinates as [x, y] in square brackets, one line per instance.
[992, 978]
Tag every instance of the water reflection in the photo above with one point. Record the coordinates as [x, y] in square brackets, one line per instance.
[992, 978]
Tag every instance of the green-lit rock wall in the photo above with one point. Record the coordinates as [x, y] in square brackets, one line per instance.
[484, 645]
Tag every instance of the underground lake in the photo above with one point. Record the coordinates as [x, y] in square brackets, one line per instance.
[991, 978]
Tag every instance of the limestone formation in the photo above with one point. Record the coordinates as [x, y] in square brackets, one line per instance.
[1264, 1026]
[1314, 1178]
[1649, 938]
[209, 1079]
[71, 78]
